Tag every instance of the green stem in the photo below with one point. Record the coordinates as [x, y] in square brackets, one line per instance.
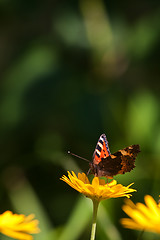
[95, 209]
[140, 235]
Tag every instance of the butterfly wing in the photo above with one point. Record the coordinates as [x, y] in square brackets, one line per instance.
[101, 150]
[118, 163]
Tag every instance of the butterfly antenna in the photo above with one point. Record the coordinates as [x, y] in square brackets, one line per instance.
[78, 156]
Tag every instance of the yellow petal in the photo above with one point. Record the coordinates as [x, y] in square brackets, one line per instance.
[129, 223]
[152, 205]
[142, 216]
[18, 225]
[16, 235]
[98, 189]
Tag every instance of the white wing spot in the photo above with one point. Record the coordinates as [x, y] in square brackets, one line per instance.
[98, 152]
[100, 145]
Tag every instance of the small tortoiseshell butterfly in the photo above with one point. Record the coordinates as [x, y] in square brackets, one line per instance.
[106, 164]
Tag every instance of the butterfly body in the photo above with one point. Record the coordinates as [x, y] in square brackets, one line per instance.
[106, 164]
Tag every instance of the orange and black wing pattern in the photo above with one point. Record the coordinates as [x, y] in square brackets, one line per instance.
[101, 150]
[106, 164]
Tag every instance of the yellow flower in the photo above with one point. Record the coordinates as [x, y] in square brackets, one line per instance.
[142, 217]
[18, 226]
[97, 190]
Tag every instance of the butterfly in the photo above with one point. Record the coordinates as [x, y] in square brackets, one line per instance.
[106, 164]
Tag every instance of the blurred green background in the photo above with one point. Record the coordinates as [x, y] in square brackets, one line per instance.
[70, 71]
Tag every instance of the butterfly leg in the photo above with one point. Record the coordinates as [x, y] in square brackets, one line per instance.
[88, 171]
[107, 180]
